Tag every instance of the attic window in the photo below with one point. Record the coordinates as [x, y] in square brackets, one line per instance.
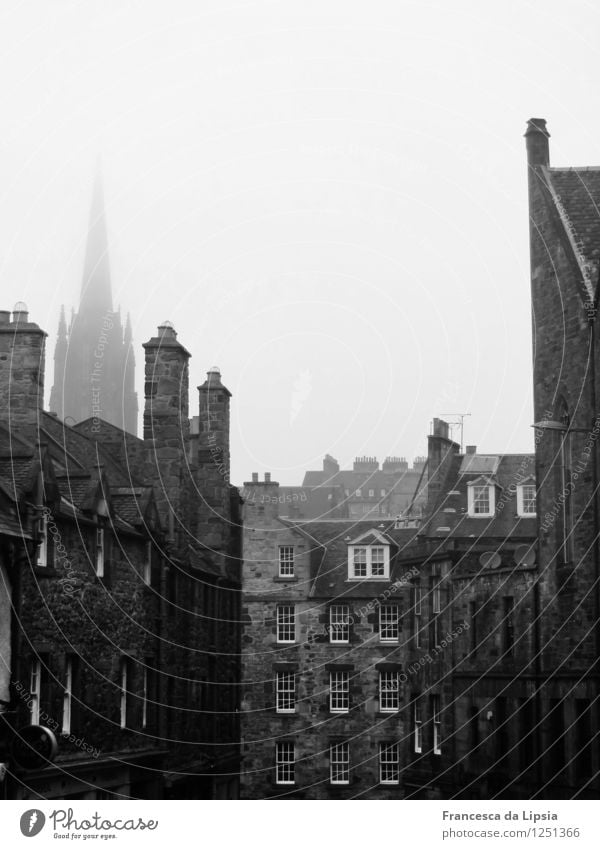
[526, 499]
[482, 500]
[41, 558]
[370, 562]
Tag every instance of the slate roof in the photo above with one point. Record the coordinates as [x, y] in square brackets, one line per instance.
[579, 192]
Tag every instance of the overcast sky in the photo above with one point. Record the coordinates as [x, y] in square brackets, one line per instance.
[327, 199]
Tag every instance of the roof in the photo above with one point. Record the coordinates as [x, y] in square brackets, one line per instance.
[578, 190]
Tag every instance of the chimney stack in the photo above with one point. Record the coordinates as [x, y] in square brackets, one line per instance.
[536, 139]
[22, 349]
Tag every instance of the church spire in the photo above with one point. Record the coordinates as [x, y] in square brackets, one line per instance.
[60, 359]
[96, 294]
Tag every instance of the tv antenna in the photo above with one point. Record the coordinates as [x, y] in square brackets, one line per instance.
[460, 424]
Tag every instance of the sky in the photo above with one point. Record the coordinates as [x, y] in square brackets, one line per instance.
[327, 199]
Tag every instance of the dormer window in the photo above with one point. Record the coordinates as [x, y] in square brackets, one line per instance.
[368, 562]
[358, 493]
[482, 498]
[526, 500]
[41, 558]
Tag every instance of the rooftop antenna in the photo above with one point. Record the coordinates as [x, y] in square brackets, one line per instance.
[460, 424]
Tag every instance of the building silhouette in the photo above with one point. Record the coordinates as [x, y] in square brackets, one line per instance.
[94, 366]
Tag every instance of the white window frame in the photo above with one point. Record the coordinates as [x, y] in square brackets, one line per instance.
[339, 623]
[339, 763]
[339, 691]
[383, 493]
[285, 762]
[437, 724]
[124, 683]
[389, 692]
[389, 763]
[417, 725]
[35, 690]
[100, 552]
[418, 614]
[472, 499]
[67, 696]
[285, 692]
[359, 493]
[286, 561]
[371, 493]
[41, 557]
[369, 551]
[389, 619]
[521, 501]
[148, 564]
[286, 629]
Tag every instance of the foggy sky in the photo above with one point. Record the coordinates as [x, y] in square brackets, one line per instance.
[327, 199]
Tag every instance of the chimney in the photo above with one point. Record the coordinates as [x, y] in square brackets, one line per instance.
[22, 349]
[267, 477]
[330, 466]
[254, 477]
[471, 449]
[536, 139]
[166, 422]
[441, 450]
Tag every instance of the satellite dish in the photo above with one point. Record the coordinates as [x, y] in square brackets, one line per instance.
[525, 555]
[490, 559]
[34, 747]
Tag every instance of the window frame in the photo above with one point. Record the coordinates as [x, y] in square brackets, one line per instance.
[282, 624]
[339, 691]
[67, 712]
[369, 562]
[386, 625]
[284, 764]
[339, 763]
[289, 562]
[148, 564]
[336, 626]
[285, 695]
[521, 501]
[436, 705]
[417, 725]
[418, 613]
[35, 690]
[472, 500]
[99, 552]
[387, 693]
[123, 691]
[389, 762]
[508, 625]
[42, 551]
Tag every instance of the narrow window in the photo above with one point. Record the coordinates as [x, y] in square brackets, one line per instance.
[389, 694]
[124, 676]
[437, 725]
[41, 558]
[383, 493]
[418, 611]
[526, 500]
[35, 690]
[286, 623]
[144, 696]
[339, 760]
[339, 692]
[358, 493]
[371, 493]
[508, 625]
[481, 500]
[389, 763]
[285, 758]
[359, 560]
[389, 630]
[286, 692]
[100, 552]
[148, 564]
[67, 695]
[339, 623]
[286, 561]
[378, 561]
[417, 725]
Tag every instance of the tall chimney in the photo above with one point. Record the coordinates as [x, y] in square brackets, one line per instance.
[536, 139]
[22, 351]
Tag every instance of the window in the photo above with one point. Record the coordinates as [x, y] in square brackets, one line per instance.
[418, 611]
[389, 695]
[124, 681]
[35, 690]
[371, 561]
[389, 763]
[286, 623]
[339, 692]
[388, 623]
[41, 557]
[285, 683]
[358, 493]
[437, 725]
[526, 500]
[67, 696]
[144, 696]
[417, 725]
[371, 493]
[482, 500]
[436, 607]
[508, 625]
[148, 564]
[383, 493]
[339, 763]
[285, 758]
[286, 561]
[100, 552]
[339, 623]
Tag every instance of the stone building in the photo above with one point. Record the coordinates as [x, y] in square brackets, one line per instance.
[94, 364]
[124, 585]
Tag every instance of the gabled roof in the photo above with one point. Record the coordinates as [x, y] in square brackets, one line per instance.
[371, 537]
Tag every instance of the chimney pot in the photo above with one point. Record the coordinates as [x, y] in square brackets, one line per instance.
[536, 139]
[267, 477]
[254, 477]
[471, 449]
[20, 312]
[166, 330]
[4, 316]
